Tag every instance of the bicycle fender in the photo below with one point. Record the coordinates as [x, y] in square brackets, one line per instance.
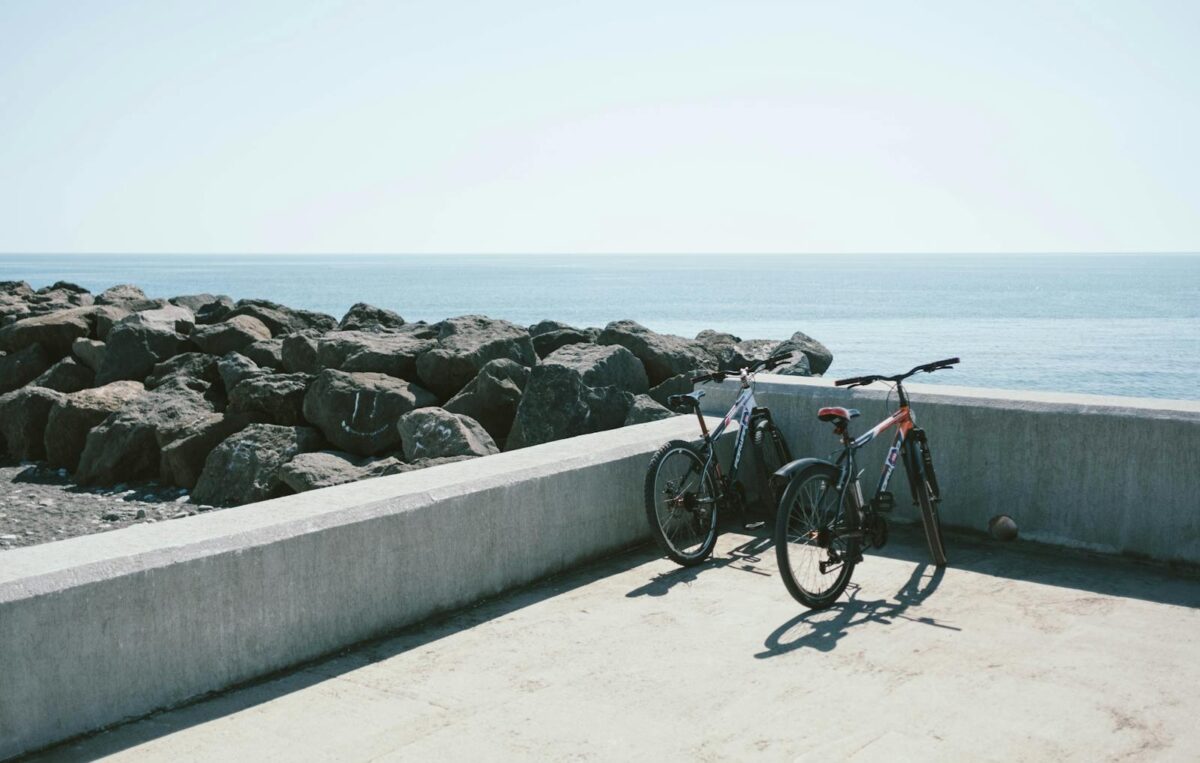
[783, 475]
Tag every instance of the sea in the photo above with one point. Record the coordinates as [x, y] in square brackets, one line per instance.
[1102, 324]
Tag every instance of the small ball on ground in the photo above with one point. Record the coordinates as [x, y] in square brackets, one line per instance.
[1002, 527]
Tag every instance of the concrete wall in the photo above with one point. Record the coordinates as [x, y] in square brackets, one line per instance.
[101, 628]
[1111, 474]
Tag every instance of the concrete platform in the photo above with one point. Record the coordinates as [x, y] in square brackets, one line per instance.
[1014, 653]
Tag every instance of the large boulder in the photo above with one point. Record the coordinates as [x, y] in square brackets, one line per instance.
[235, 367]
[557, 404]
[134, 348]
[364, 317]
[233, 335]
[89, 352]
[663, 355]
[197, 302]
[281, 319]
[127, 445]
[438, 433]
[53, 331]
[246, 466]
[193, 370]
[491, 398]
[676, 385]
[267, 353]
[602, 366]
[183, 453]
[122, 294]
[549, 341]
[385, 352]
[548, 326]
[67, 375]
[818, 355]
[326, 468]
[213, 311]
[464, 345]
[299, 351]
[357, 412]
[271, 398]
[104, 317]
[76, 414]
[23, 366]
[23, 416]
[646, 408]
[174, 317]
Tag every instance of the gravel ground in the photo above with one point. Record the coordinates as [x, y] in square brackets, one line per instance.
[38, 505]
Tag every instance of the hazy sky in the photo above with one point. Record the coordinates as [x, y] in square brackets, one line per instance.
[607, 126]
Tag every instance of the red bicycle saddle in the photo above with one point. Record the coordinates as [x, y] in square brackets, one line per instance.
[834, 414]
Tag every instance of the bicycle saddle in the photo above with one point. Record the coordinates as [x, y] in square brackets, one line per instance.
[836, 414]
[690, 400]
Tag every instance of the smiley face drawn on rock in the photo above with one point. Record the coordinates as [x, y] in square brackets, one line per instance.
[362, 415]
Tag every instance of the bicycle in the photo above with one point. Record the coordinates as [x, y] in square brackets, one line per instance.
[823, 525]
[686, 489]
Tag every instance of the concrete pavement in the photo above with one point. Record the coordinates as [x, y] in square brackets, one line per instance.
[1013, 653]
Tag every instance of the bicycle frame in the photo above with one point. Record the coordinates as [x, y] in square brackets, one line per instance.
[741, 411]
[904, 422]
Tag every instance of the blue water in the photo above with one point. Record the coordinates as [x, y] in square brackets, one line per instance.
[1116, 325]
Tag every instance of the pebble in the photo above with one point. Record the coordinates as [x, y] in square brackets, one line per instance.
[45, 502]
[8, 536]
[141, 514]
[111, 516]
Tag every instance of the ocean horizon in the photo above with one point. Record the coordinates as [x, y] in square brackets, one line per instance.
[1110, 324]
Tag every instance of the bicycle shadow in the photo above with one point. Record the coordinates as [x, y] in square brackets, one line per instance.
[826, 627]
[745, 558]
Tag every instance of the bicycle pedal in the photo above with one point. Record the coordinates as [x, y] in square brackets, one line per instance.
[883, 502]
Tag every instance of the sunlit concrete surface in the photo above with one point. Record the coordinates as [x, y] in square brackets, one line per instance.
[1013, 653]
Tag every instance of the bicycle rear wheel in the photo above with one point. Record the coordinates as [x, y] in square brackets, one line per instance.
[815, 538]
[681, 503]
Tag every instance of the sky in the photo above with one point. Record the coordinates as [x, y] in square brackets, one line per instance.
[596, 127]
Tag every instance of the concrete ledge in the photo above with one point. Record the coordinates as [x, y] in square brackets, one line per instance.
[1112, 474]
[102, 628]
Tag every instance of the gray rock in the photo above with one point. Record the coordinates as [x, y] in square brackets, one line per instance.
[53, 331]
[89, 352]
[133, 349]
[646, 408]
[557, 404]
[182, 457]
[819, 356]
[326, 468]
[246, 466]
[271, 398]
[798, 366]
[104, 317]
[663, 355]
[464, 345]
[676, 385]
[549, 341]
[127, 445]
[602, 366]
[357, 412]
[299, 351]
[174, 317]
[16, 289]
[267, 353]
[281, 319]
[214, 311]
[67, 375]
[120, 294]
[23, 416]
[438, 433]
[23, 366]
[235, 367]
[195, 302]
[233, 335]
[193, 370]
[546, 327]
[76, 414]
[385, 352]
[368, 317]
[491, 398]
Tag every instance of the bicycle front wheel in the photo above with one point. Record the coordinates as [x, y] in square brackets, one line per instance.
[816, 540]
[681, 503]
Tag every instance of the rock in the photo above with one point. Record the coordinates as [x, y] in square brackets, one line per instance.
[54, 331]
[491, 398]
[182, 458]
[66, 375]
[281, 319]
[646, 408]
[464, 345]
[133, 349]
[246, 466]
[676, 385]
[23, 416]
[819, 356]
[326, 468]
[385, 352]
[233, 335]
[127, 445]
[235, 367]
[548, 326]
[299, 352]
[195, 302]
[89, 352]
[438, 433]
[419, 330]
[215, 311]
[663, 355]
[104, 317]
[271, 398]
[16, 289]
[23, 366]
[602, 366]
[176, 318]
[557, 404]
[267, 353]
[549, 341]
[120, 294]
[76, 414]
[367, 317]
[357, 412]
[193, 370]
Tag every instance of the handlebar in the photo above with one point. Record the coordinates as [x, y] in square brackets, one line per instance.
[769, 364]
[858, 381]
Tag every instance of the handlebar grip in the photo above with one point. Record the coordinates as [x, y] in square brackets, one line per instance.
[845, 382]
[717, 376]
[946, 362]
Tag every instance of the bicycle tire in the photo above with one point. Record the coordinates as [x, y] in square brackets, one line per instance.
[671, 518]
[772, 453]
[930, 519]
[798, 542]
